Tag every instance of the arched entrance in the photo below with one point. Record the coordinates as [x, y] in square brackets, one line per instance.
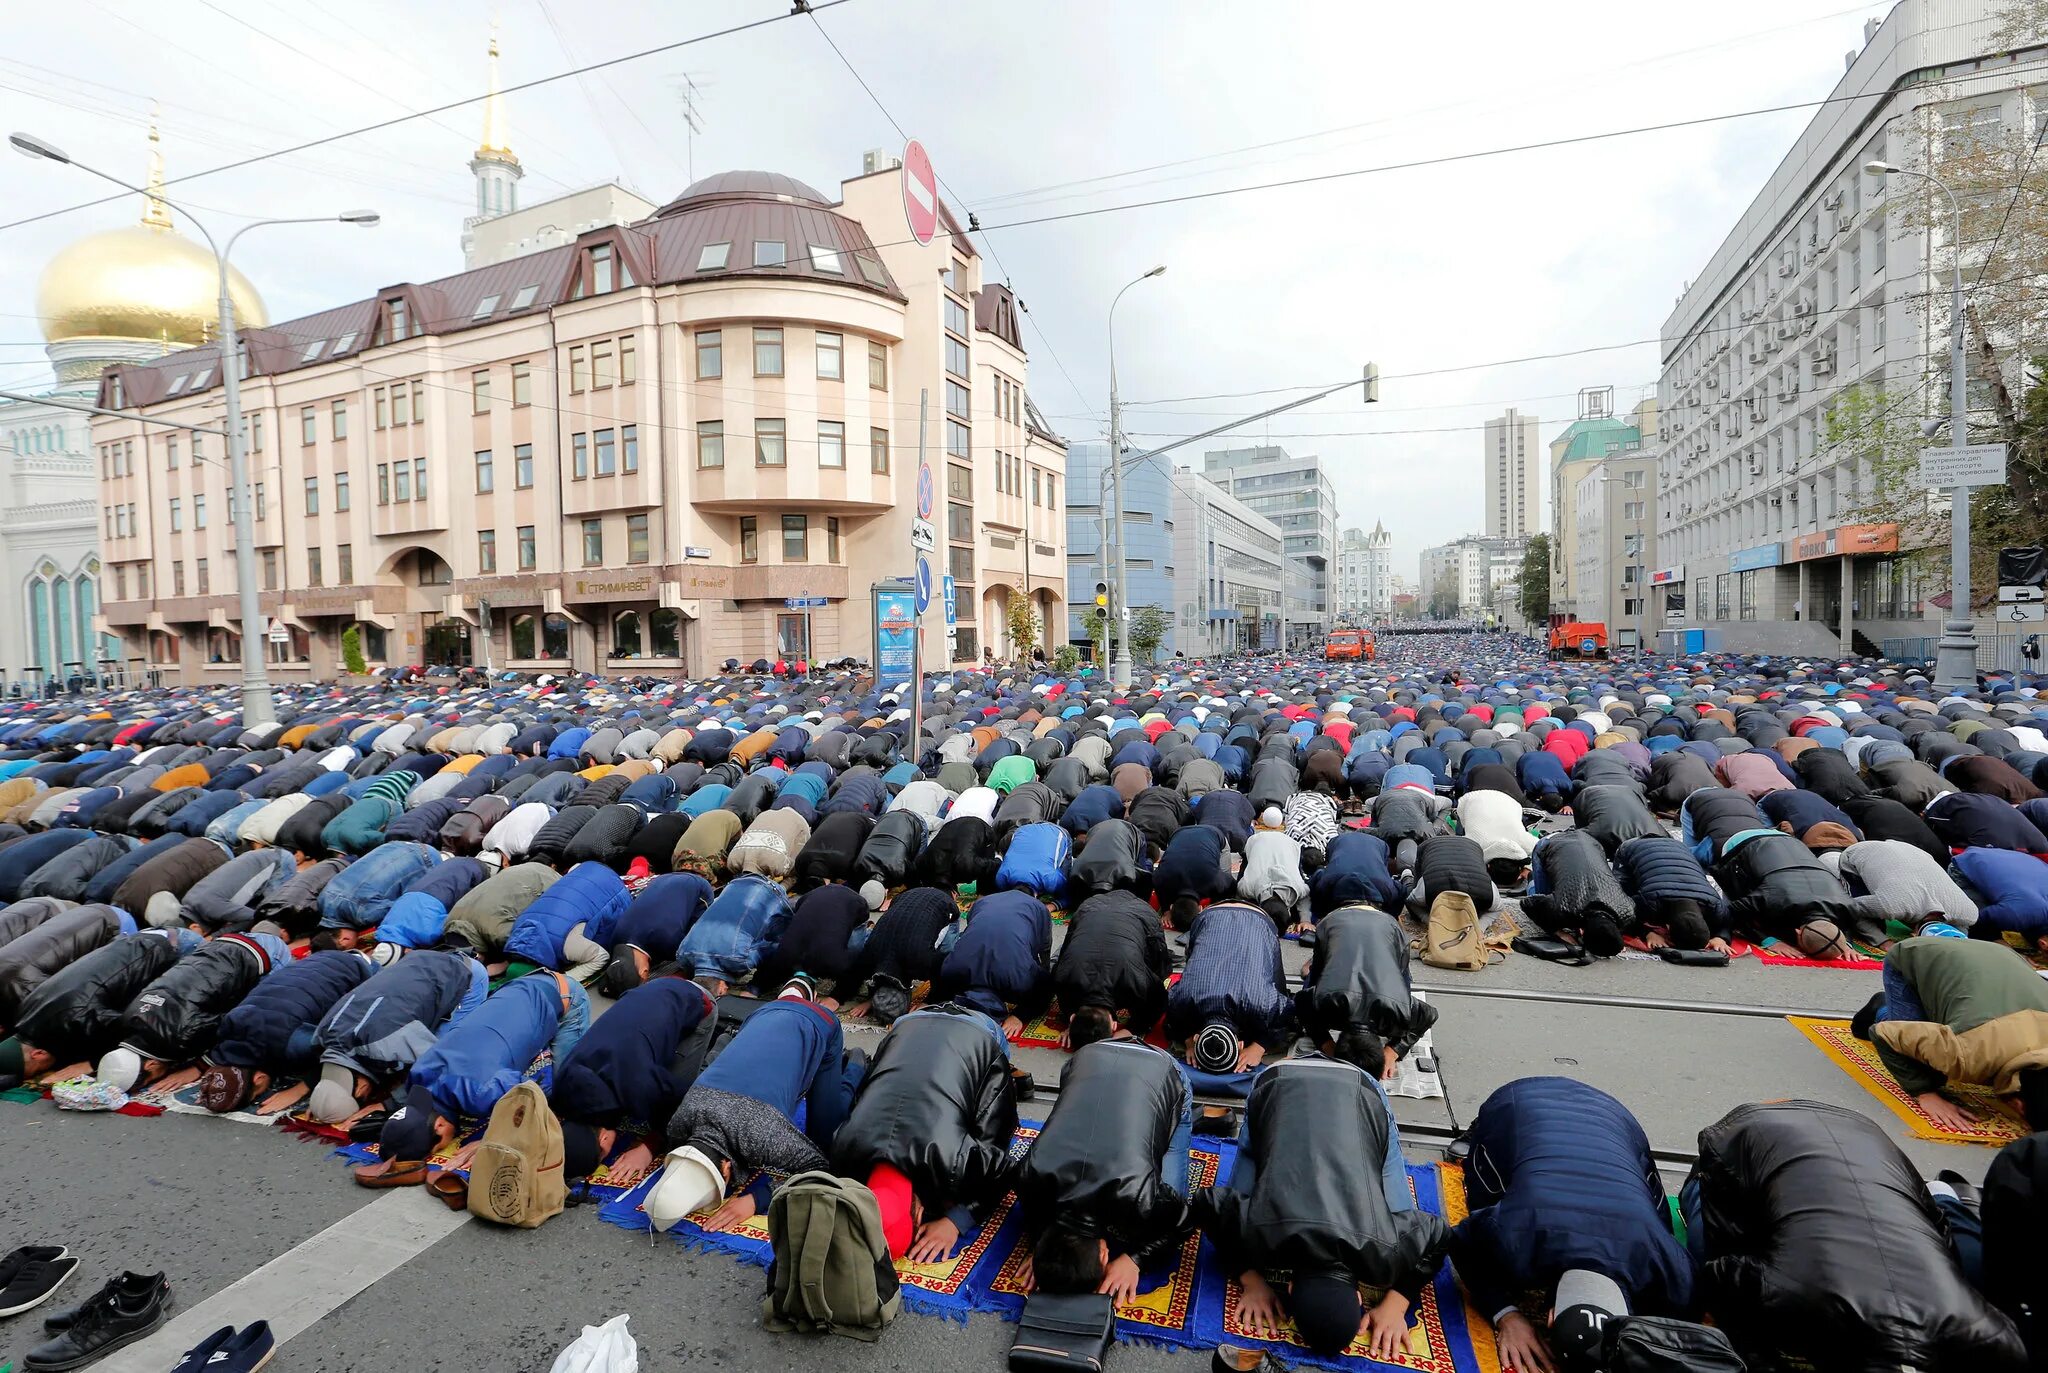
[447, 644]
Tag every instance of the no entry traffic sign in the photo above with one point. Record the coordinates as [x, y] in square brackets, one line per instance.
[920, 193]
[924, 491]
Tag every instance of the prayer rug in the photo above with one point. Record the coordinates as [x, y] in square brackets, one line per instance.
[183, 1099]
[1163, 1313]
[1998, 1124]
[1446, 1335]
[952, 1287]
[1778, 953]
[2027, 948]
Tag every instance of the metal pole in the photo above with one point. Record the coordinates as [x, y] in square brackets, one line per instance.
[1119, 602]
[916, 748]
[258, 707]
[1102, 557]
[1955, 664]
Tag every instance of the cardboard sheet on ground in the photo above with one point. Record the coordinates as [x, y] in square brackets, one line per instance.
[1998, 1124]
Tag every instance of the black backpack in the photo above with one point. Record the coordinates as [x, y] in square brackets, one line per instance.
[1658, 1344]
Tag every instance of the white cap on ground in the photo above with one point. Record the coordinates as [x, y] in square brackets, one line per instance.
[334, 1095]
[690, 1181]
[120, 1068]
[874, 893]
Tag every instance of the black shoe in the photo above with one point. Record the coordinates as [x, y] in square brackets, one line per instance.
[124, 1311]
[1244, 1358]
[35, 1279]
[199, 1355]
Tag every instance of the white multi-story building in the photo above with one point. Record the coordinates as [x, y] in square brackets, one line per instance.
[1296, 495]
[1365, 573]
[1228, 571]
[1613, 549]
[1816, 289]
[1514, 476]
[1480, 569]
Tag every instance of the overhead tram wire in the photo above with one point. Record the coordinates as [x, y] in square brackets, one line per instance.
[443, 108]
[948, 187]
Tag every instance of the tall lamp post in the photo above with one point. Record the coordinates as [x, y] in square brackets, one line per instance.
[1119, 610]
[1955, 659]
[258, 706]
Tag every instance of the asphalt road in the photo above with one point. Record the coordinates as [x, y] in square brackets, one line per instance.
[213, 1203]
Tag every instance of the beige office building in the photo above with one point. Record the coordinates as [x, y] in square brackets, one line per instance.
[1514, 480]
[628, 453]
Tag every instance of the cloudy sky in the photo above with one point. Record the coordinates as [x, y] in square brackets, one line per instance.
[1057, 111]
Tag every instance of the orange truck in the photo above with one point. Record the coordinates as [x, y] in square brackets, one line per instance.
[1583, 638]
[1348, 644]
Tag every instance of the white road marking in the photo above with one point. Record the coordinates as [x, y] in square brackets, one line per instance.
[300, 1286]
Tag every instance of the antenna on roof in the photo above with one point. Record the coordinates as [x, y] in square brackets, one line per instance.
[693, 124]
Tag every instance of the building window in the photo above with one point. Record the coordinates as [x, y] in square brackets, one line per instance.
[959, 521]
[177, 517]
[199, 512]
[770, 252]
[383, 411]
[796, 538]
[401, 481]
[826, 260]
[522, 383]
[270, 569]
[711, 444]
[340, 419]
[528, 554]
[309, 425]
[958, 401]
[959, 482]
[607, 454]
[579, 462]
[629, 448]
[956, 316]
[487, 550]
[831, 348]
[522, 465]
[878, 450]
[593, 543]
[262, 504]
[256, 431]
[480, 393]
[345, 563]
[710, 355]
[1052, 491]
[960, 564]
[831, 538]
[629, 361]
[341, 491]
[170, 454]
[711, 257]
[636, 538]
[178, 578]
[579, 369]
[401, 405]
[419, 484]
[601, 364]
[878, 366]
[770, 443]
[601, 269]
[312, 495]
[956, 357]
[626, 634]
[750, 539]
[312, 567]
[666, 627]
[203, 576]
[831, 444]
[486, 479]
[767, 352]
[958, 439]
[1034, 486]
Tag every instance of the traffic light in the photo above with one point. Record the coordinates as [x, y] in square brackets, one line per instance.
[1102, 596]
[1372, 382]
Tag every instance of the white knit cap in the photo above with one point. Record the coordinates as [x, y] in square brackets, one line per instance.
[121, 1068]
[690, 1181]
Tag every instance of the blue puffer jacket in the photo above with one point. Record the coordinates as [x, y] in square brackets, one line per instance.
[569, 743]
[416, 920]
[1656, 870]
[589, 894]
[273, 1027]
[662, 914]
[475, 1063]
[381, 1027]
[1037, 860]
[1546, 1147]
[863, 792]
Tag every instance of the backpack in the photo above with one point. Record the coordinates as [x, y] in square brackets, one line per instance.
[831, 1272]
[1658, 1344]
[516, 1176]
[1454, 939]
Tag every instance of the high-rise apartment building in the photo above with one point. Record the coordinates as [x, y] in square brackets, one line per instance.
[1514, 479]
[1296, 495]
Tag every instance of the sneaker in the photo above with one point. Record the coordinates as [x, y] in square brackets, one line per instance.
[1243, 1358]
[248, 1351]
[27, 1284]
[125, 1310]
[201, 1355]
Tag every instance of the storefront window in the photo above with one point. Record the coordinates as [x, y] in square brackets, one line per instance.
[665, 629]
[1748, 594]
[554, 637]
[524, 627]
[1722, 587]
[626, 635]
[372, 637]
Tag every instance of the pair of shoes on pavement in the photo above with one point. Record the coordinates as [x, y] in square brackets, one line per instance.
[1242, 1358]
[125, 1310]
[228, 1350]
[31, 1275]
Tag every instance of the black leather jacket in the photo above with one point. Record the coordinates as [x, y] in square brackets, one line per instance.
[177, 1017]
[76, 1014]
[29, 961]
[1095, 1165]
[936, 1105]
[1359, 976]
[1313, 1201]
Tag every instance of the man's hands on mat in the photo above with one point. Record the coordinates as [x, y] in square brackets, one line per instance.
[1120, 1279]
[736, 1211]
[934, 1242]
[631, 1167]
[1386, 1326]
[1259, 1307]
[1521, 1345]
[1945, 1113]
[1012, 1028]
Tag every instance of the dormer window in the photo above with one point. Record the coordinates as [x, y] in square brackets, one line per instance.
[344, 343]
[770, 252]
[601, 269]
[313, 350]
[525, 297]
[485, 307]
[712, 256]
[177, 385]
[824, 259]
[395, 319]
[114, 391]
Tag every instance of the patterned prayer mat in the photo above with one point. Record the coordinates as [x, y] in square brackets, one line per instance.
[1998, 1124]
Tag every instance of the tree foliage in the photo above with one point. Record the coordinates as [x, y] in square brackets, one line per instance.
[1533, 583]
[1443, 597]
[1148, 628]
[1022, 621]
[352, 660]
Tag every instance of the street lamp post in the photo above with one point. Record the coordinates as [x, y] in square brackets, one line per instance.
[258, 705]
[1955, 658]
[1119, 623]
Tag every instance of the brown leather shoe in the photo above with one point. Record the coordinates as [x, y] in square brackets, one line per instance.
[396, 1173]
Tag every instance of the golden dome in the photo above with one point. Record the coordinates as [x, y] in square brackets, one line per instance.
[141, 282]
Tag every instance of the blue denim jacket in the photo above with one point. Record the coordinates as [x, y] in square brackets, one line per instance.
[728, 939]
